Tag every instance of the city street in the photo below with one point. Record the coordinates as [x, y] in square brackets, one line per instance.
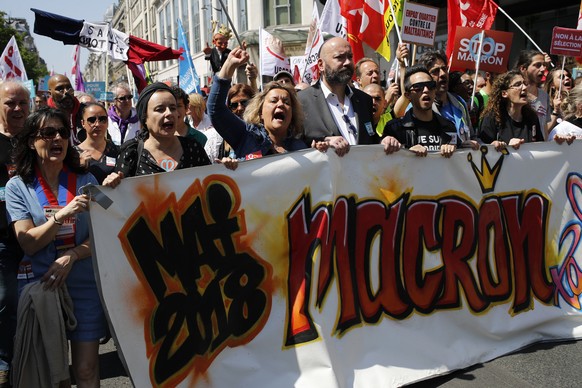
[541, 365]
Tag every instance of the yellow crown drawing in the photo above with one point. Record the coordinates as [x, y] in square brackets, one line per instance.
[487, 176]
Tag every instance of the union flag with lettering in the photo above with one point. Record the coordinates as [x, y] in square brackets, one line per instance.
[469, 13]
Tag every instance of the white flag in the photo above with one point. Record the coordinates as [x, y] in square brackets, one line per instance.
[314, 43]
[332, 21]
[272, 54]
[11, 65]
[100, 37]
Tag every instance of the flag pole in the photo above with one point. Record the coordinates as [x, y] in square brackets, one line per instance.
[522, 31]
[397, 28]
[231, 24]
[479, 52]
[562, 75]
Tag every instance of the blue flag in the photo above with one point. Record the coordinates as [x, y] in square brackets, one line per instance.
[189, 80]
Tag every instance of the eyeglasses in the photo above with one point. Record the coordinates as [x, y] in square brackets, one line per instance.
[419, 86]
[518, 85]
[124, 98]
[235, 105]
[49, 133]
[351, 127]
[93, 119]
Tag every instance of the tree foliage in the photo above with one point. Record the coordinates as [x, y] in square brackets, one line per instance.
[35, 67]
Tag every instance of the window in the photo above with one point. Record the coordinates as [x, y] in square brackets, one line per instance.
[184, 18]
[243, 24]
[195, 44]
[278, 12]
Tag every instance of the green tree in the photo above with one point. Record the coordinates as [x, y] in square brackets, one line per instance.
[35, 67]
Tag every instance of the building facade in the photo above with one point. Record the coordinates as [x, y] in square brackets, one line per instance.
[156, 21]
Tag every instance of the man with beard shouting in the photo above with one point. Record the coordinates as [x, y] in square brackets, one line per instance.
[63, 98]
[336, 113]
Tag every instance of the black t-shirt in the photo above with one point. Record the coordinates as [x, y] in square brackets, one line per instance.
[104, 166]
[430, 134]
[10, 252]
[528, 129]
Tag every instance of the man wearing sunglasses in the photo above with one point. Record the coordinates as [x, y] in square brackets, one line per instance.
[63, 98]
[449, 105]
[123, 121]
[421, 130]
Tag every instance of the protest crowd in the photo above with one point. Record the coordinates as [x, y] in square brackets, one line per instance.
[56, 144]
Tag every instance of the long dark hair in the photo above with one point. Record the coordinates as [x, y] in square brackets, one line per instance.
[25, 156]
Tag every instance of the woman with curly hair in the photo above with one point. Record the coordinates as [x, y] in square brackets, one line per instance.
[273, 118]
[508, 118]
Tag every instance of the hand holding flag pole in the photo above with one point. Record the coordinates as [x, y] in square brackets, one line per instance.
[397, 28]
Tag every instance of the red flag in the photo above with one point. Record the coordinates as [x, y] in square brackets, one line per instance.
[373, 31]
[296, 75]
[469, 13]
[140, 51]
[352, 12]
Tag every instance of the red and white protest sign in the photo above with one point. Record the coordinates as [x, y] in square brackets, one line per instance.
[566, 41]
[419, 24]
[11, 65]
[494, 53]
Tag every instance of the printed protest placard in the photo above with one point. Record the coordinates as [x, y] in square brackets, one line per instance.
[494, 53]
[419, 24]
[566, 41]
[95, 88]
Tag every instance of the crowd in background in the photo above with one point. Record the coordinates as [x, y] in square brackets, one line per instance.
[71, 140]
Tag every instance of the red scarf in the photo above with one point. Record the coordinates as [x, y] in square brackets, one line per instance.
[73, 114]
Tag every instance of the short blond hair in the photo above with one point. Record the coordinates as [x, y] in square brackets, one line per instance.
[197, 104]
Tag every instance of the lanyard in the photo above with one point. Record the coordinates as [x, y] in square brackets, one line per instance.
[67, 186]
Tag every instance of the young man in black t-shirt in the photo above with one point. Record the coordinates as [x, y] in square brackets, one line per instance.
[421, 130]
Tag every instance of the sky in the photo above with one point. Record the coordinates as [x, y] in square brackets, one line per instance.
[57, 55]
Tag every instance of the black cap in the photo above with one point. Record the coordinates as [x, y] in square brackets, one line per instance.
[284, 73]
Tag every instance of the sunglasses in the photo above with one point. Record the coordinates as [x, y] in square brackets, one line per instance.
[49, 133]
[124, 98]
[235, 105]
[419, 86]
[91, 120]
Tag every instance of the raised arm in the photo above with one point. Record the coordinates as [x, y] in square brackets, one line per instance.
[226, 123]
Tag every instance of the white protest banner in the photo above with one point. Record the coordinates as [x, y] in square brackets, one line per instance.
[332, 22]
[11, 65]
[100, 37]
[419, 24]
[93, 36]
[285, 273]
[313, 45]
[298, 63]
[566, 41]
[272, 54]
